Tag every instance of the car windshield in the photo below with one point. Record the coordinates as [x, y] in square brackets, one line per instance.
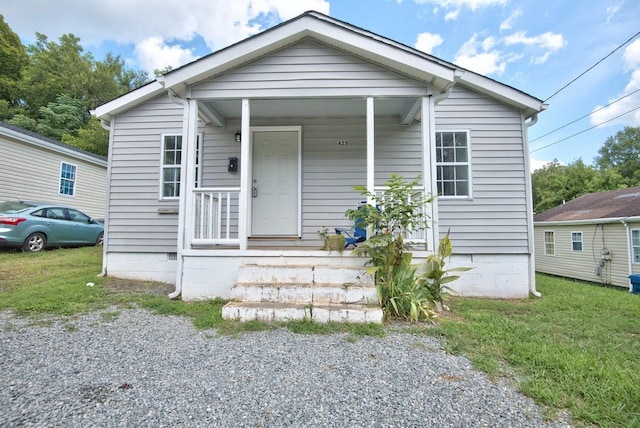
[12, 207]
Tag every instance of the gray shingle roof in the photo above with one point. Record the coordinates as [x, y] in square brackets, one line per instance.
[50, 140]
[612, 204]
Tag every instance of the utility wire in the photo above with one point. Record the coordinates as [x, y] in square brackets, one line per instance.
[590, 68]
[586, 115]
[583, 131]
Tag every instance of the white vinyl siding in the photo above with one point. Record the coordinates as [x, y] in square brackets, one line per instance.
[309, 68]
[635, 243]
[494, 219]
[43, 183]
[576, 241]
[549, 243]
[67, 179]
[452, 163]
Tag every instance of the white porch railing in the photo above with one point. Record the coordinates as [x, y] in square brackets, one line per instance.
[215, 216]
[412, 236]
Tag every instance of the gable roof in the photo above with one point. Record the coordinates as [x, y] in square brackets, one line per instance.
[341, 35]
[17, 133]
[615, 204]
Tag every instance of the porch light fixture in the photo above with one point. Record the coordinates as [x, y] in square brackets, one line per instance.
[238, 137]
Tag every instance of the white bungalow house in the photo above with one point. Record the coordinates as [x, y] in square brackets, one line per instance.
[222, 172]
[38, 168]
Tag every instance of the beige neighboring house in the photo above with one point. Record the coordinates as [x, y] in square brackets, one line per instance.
[595, 237]
[37, 168]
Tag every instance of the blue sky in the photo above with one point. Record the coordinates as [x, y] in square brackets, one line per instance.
[535, 46]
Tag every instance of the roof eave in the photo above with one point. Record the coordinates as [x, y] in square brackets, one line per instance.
[128, 100]
[53, 147]
[630, 219]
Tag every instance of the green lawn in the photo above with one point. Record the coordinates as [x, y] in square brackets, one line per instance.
[576, 348]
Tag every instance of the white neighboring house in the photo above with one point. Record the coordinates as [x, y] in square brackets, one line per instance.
[239, 159]
[38, 168]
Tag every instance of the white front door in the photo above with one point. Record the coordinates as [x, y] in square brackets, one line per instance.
[275, 187]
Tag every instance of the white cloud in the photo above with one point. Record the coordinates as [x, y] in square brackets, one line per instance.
[538, 164]
[426, 42]
[155, 54]
[612, 10]
[548, 43]
[454, 7]
[631, 59]
[507, 24]
[218, 22]
[452, 16]
[479, 56]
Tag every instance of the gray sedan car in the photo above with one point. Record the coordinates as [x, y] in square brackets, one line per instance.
[34, 226]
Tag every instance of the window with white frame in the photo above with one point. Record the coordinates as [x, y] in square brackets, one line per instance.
[67, 179]
[452, 163]
[549, 243]
[576, 241]
[635, 243]
[171, 164]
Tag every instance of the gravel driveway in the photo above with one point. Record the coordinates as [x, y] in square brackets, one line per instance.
[133, 368]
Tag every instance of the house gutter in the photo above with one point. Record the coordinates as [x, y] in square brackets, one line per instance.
[629, 250]
[181, 209]
[529, 197]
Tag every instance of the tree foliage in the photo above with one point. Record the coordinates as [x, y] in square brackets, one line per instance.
[50, 87]
[621, 153]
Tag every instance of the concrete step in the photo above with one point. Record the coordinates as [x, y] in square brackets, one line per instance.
[304, 274]
[315, 293]
[322, 313]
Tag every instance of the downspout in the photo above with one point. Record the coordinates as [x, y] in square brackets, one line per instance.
[629, 251]
[105, 242]
[185, 118]
[527, 178]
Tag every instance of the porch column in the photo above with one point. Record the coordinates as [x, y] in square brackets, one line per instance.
[370, 147]
[245, 176]
[429, 172]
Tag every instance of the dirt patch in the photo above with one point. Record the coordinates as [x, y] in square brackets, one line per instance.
[132, 286]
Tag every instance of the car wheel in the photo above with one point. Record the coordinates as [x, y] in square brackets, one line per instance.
[34, 242]
[100, 239]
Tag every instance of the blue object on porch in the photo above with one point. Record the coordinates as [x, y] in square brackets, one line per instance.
[357, 234]
[635, 283]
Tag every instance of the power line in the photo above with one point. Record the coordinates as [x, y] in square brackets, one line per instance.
[586, 115]
[590, 68]
[583, 131]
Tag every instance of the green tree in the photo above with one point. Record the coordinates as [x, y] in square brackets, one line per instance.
[621, 153]
[55, 69]
[92, 138]
[13, 58]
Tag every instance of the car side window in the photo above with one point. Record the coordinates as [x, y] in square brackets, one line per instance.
[56, 213]
[78, 216]
[39, 213]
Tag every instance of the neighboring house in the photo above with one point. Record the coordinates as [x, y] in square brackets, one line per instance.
[243, 156]
[38, 168]
[595, 237]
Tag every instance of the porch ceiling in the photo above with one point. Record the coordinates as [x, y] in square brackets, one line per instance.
[310, 107]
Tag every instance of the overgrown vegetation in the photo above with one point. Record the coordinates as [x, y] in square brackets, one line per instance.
[402, 291]
[578, 347]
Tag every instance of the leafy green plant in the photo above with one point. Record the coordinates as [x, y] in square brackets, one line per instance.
[435, 278]
[390, 216]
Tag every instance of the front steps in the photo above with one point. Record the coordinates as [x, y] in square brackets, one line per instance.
[321, 293]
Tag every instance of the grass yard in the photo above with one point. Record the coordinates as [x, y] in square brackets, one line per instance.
[576, 348]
